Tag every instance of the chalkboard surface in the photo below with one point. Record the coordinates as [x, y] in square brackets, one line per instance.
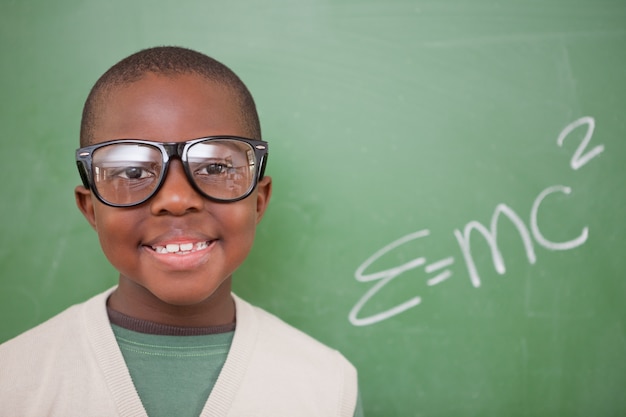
[449, 204]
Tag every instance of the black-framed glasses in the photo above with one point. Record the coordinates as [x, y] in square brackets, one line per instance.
[127, 172]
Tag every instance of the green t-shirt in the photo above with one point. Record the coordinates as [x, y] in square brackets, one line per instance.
[173, 375]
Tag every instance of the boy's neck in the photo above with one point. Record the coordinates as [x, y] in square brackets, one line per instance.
[149, 327]
[137, 302]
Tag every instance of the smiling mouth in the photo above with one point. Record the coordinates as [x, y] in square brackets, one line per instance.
[182, 248]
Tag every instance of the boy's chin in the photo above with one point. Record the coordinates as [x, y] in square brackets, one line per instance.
[177, 300]
[192, 296]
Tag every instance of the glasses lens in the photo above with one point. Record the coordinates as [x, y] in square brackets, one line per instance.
[222, 169]
[126, 174]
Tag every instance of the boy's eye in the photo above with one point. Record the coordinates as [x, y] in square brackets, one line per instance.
[214, 168]
[133, 173]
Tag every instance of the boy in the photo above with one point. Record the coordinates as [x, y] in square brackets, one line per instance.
[172, 164]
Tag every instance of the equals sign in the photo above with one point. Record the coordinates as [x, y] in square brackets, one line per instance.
[436, 266]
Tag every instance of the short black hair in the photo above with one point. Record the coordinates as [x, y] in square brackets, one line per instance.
[168, 61]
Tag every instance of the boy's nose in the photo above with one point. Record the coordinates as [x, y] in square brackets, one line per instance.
[176, 195]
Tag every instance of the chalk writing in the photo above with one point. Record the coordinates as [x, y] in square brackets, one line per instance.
[437, 266]
[581, 157]
[498, 261]
[384, 278]
[570, 244]
[529, 238]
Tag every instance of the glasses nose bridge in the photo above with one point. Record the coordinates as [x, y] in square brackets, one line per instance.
[173, 150]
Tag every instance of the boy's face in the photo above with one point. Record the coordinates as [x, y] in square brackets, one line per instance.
[173, 109]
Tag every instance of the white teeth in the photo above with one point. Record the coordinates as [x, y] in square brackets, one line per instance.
[186, 246]
[159, 249]
[180, 249]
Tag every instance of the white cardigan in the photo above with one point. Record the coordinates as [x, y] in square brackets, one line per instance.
[71, 366]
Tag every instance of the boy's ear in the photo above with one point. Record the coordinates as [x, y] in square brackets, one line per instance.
[263, 194]
[85, 204]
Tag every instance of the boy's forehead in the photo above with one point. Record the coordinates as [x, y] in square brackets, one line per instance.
[152, 85]
[163, 107]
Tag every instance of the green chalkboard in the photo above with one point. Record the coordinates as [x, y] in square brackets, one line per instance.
[449, 202]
